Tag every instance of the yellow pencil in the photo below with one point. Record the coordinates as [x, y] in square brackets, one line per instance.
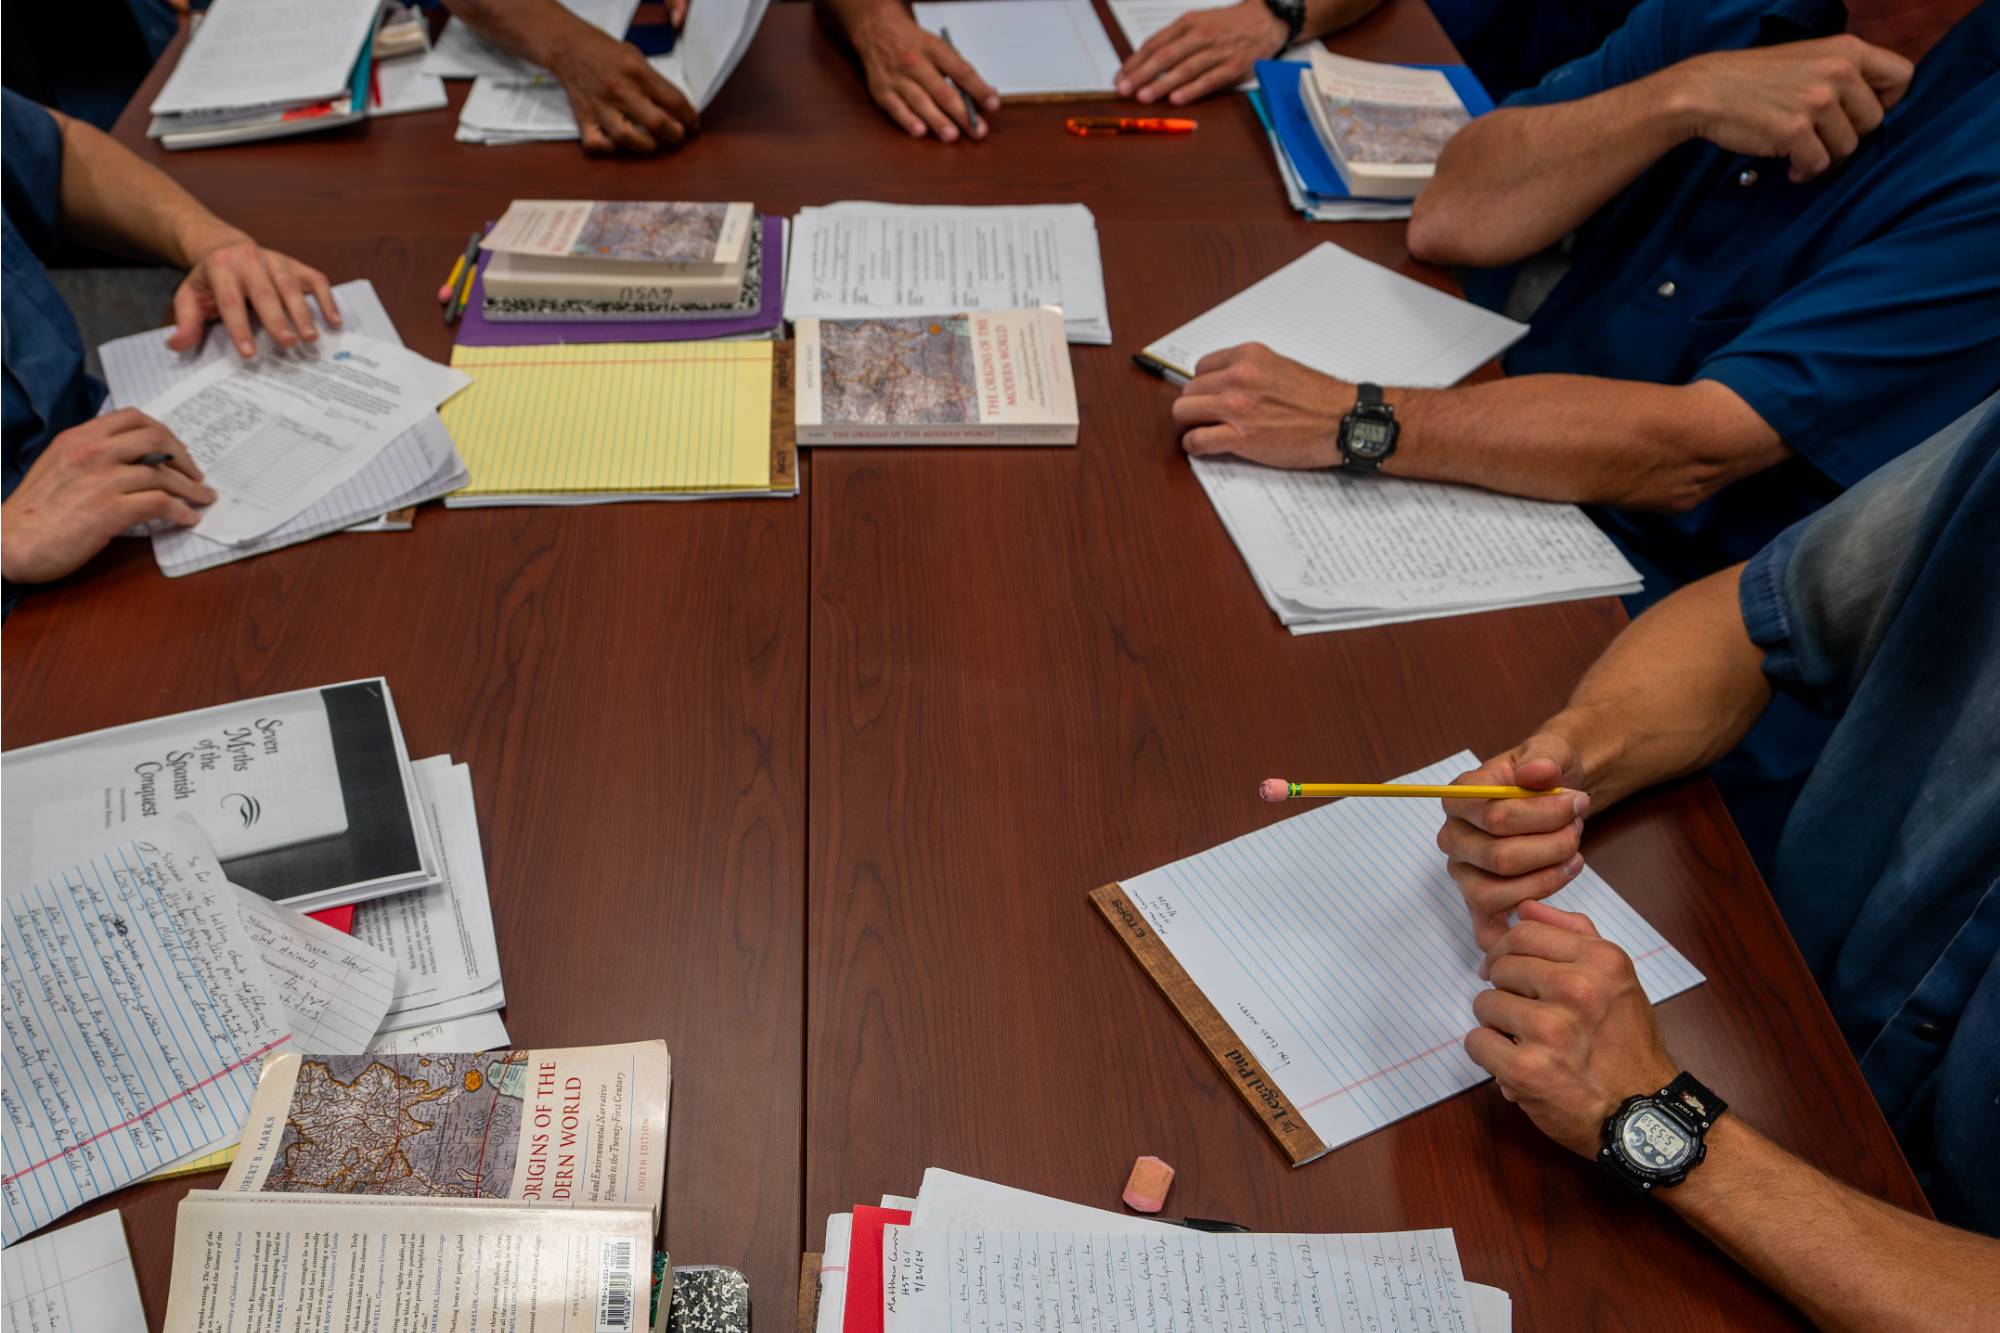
[1277, 789]
[450, 287]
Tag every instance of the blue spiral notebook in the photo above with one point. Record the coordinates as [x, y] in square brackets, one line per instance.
[1276, 100]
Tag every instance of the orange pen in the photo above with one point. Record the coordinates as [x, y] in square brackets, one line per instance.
[1085, 127]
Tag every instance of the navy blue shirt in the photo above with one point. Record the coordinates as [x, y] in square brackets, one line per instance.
[47, 390]
[1857, 313]
[1511, 44]
[1884, 610]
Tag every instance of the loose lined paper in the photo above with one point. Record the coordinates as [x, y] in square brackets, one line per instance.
[613, 420]
[1337, 947]
[418, 465]
[136, 1022]
[1079, 1282]
[74, 1279]
[334, 989]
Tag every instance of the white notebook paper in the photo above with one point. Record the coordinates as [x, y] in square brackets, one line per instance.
[1029, 48]
[74, 1279]
[1337, 945]
[1349, 317]
[418, 465]
[255, 53]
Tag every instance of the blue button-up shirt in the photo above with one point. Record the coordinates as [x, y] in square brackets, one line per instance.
[1509, 50]
[1884, 609]
[47, 390]
[1857, 313]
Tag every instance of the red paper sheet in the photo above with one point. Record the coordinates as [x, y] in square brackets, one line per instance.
[864, 1267]
[340, 918]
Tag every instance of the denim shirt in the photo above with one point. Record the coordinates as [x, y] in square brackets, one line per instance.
[1884, 609]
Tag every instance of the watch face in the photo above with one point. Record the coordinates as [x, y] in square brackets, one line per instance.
[1369, 437]
[1653, 1141]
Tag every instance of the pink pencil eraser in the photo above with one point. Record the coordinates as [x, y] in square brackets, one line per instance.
[1146, 1188]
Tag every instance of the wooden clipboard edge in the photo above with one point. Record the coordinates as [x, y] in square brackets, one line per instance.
[807, 1317]
[1229, 1051]
[784, 421]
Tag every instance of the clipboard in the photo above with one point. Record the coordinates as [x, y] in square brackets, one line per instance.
[1232, 1055]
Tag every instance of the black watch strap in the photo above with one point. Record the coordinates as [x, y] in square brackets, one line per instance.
[1369, 395]
[1690, 1097]
[1291, 13]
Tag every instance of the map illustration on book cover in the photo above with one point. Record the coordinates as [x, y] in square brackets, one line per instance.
[428, 1126]
[661, 233]
[1392, 133]
[913, 371]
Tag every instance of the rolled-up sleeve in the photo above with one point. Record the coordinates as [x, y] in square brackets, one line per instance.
[30, 169]
[1653, 36]
[1819, 597]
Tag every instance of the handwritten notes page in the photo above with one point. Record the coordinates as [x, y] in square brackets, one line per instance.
[1339, 949]
[334, 989]
[136, 1021]
[1331, 551]
[75, 1279]
[1079, 1282]
[863, 260]
[418, 465]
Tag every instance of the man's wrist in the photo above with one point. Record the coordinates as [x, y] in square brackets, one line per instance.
[198, 237]
[1677, 105]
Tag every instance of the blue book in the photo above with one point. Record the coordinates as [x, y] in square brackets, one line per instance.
[1276, 99]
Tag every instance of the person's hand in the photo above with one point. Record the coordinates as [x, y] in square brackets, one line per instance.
[622, 104]
[230, 277]
[1201, 52]
[1253, 403]
[1567, 1032]
[915, 77]
[1506, 852]
[87, 487]
[1807, 101]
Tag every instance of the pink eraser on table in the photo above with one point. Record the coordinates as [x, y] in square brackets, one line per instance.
[1146, 1188]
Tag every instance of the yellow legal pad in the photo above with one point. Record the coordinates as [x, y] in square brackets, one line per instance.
[607, 421]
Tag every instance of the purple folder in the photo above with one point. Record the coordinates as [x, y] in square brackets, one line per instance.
[475, 330]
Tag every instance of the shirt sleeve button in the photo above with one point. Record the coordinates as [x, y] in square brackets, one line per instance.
[1748, 177]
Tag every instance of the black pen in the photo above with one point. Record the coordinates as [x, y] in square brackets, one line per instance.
[1205, 1224]
[155, 460]
[971, 112]
[1159, 369]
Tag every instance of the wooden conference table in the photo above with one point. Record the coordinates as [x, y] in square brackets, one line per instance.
[815, 789]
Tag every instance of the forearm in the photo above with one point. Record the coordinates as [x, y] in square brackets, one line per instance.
[1517, 180]
[1325, 16]
[537, 30]
[113, 201]
[1672, 694]
[1848, 1261]
[1584, 439]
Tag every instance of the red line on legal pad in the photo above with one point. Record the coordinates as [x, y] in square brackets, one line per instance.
[1423, 1055]
[151, 1110]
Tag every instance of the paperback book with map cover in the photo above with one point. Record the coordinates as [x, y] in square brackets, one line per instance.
[991, 377]
[1383, 125]
[559, 1127]
[583, 250]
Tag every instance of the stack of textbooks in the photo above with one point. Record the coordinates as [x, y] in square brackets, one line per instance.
[652, 271]
[1355, 140]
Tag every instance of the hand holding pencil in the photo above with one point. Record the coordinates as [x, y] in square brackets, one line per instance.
[1503, 852]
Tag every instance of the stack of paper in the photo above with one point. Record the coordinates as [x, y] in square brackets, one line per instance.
[75, 1277]
[1334, 551]
[527, 105]
[1009, 1257]
[1041, 50]
[593, 424]
[865, 260]
[260, 69]
[1312, 182]
[313, 486]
